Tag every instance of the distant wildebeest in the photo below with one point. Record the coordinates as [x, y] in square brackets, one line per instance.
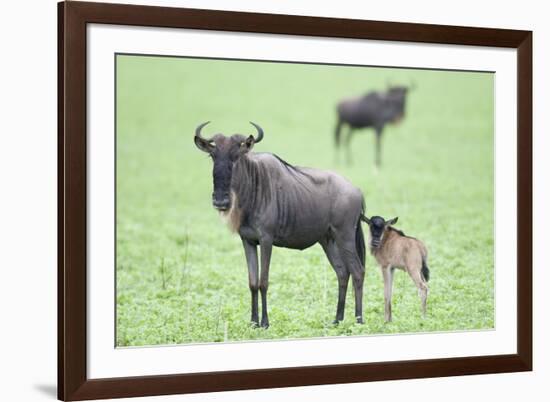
[269, 202]
[393, 249]
[375, 109]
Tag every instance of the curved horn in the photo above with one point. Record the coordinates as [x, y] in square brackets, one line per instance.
[260, 133]
[198, 131]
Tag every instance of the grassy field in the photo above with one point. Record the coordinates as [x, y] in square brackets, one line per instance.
[182, 276]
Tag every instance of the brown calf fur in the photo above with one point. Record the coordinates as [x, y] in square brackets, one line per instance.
[392, 249]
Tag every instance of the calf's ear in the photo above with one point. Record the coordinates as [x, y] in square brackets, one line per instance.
[392, 221]
[247, 144]
[204, 145]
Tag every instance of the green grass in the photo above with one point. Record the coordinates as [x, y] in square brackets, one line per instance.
[182, 276]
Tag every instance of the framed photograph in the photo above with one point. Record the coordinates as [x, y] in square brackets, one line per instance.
[253, 200]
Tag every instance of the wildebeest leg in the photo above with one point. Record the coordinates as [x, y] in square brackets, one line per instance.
[337, 133]
[265, 248]
[251, 253]
[346, 248]
[378, 160]
[387, 273]
[348, 147]
[331, 250]
[421, 286]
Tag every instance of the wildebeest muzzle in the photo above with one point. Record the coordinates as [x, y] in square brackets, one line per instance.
[222, 202]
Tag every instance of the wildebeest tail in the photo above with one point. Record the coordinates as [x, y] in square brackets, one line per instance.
[360, 242]
[425, 270]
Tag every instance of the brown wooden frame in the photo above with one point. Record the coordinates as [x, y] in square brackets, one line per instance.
[73, 383]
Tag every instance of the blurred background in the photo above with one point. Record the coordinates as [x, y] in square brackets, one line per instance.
[182, 276]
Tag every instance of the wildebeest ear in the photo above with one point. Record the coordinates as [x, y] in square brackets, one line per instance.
[204, 145]
[247, 144]
[392, 221]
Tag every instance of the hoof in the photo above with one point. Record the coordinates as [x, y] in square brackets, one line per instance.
[265, 325]
[336, 322]
[359, 320]
[254, 324]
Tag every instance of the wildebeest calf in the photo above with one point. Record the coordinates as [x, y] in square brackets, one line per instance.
[393, 249]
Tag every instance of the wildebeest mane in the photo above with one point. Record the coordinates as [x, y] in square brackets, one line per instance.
[286, 164]
[247, 180]
[400, 232]
[293, 169]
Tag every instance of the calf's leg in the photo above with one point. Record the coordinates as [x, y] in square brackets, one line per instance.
[421, 285]
[387, 273]
[251, 253]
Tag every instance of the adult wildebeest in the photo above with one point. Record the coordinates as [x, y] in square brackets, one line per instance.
[393, 249]
[269, 202]
[375, 109]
